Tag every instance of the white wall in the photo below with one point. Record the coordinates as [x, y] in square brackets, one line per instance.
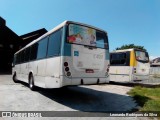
[155, 71]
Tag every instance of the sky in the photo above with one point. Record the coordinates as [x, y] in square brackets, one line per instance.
[126, 21]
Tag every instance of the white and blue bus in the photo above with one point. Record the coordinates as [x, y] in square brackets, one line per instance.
[70, 54]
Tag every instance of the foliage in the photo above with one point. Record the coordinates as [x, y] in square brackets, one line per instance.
[130, 46]
[148, 98]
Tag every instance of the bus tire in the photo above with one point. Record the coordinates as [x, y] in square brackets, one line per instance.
[15, 78]
[31, 83]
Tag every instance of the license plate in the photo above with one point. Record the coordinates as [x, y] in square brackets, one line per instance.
[89, 71]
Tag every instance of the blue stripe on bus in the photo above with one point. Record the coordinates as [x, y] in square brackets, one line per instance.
[107, 54]
[66, 48]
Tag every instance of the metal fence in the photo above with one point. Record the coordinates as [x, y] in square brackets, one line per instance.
[155, 71]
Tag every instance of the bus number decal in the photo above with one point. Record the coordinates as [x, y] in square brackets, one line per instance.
[95, 56]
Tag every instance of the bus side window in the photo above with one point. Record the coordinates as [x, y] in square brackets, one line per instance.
[23, 56]
[34, 50]
[42, 48]
[54, 44]
[118, 59]
[27, 53]
[19, 58]
[123, 59]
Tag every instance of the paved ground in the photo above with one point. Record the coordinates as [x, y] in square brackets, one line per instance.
[83, 98]
[18, 97]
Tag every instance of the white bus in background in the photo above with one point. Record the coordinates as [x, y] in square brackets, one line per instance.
[129, 65]
[70, 54]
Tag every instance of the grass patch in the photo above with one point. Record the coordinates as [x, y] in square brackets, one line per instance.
[147, 98]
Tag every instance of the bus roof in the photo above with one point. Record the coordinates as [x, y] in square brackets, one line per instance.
[125, 50]
[56, 28]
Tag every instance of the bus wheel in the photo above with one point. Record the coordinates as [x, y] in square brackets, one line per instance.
[31, 82]
[15, 78]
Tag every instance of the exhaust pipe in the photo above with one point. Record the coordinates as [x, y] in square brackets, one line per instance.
[98, 81]
[81, 81]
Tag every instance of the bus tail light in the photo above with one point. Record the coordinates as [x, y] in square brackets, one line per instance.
[68, 73]
[65, 64]
[134, 70]
[66, 69]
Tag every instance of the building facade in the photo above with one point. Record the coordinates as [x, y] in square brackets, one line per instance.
[10, 42]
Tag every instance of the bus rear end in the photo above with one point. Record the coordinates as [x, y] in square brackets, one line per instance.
[86, 55]
[129, 65]
[142, 66]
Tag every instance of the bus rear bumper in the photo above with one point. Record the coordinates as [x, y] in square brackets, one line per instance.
[65, 81]
[140, 77]
[128, 78]
[83, 81]
[119, 78]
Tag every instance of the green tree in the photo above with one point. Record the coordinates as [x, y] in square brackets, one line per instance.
[131, 46]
